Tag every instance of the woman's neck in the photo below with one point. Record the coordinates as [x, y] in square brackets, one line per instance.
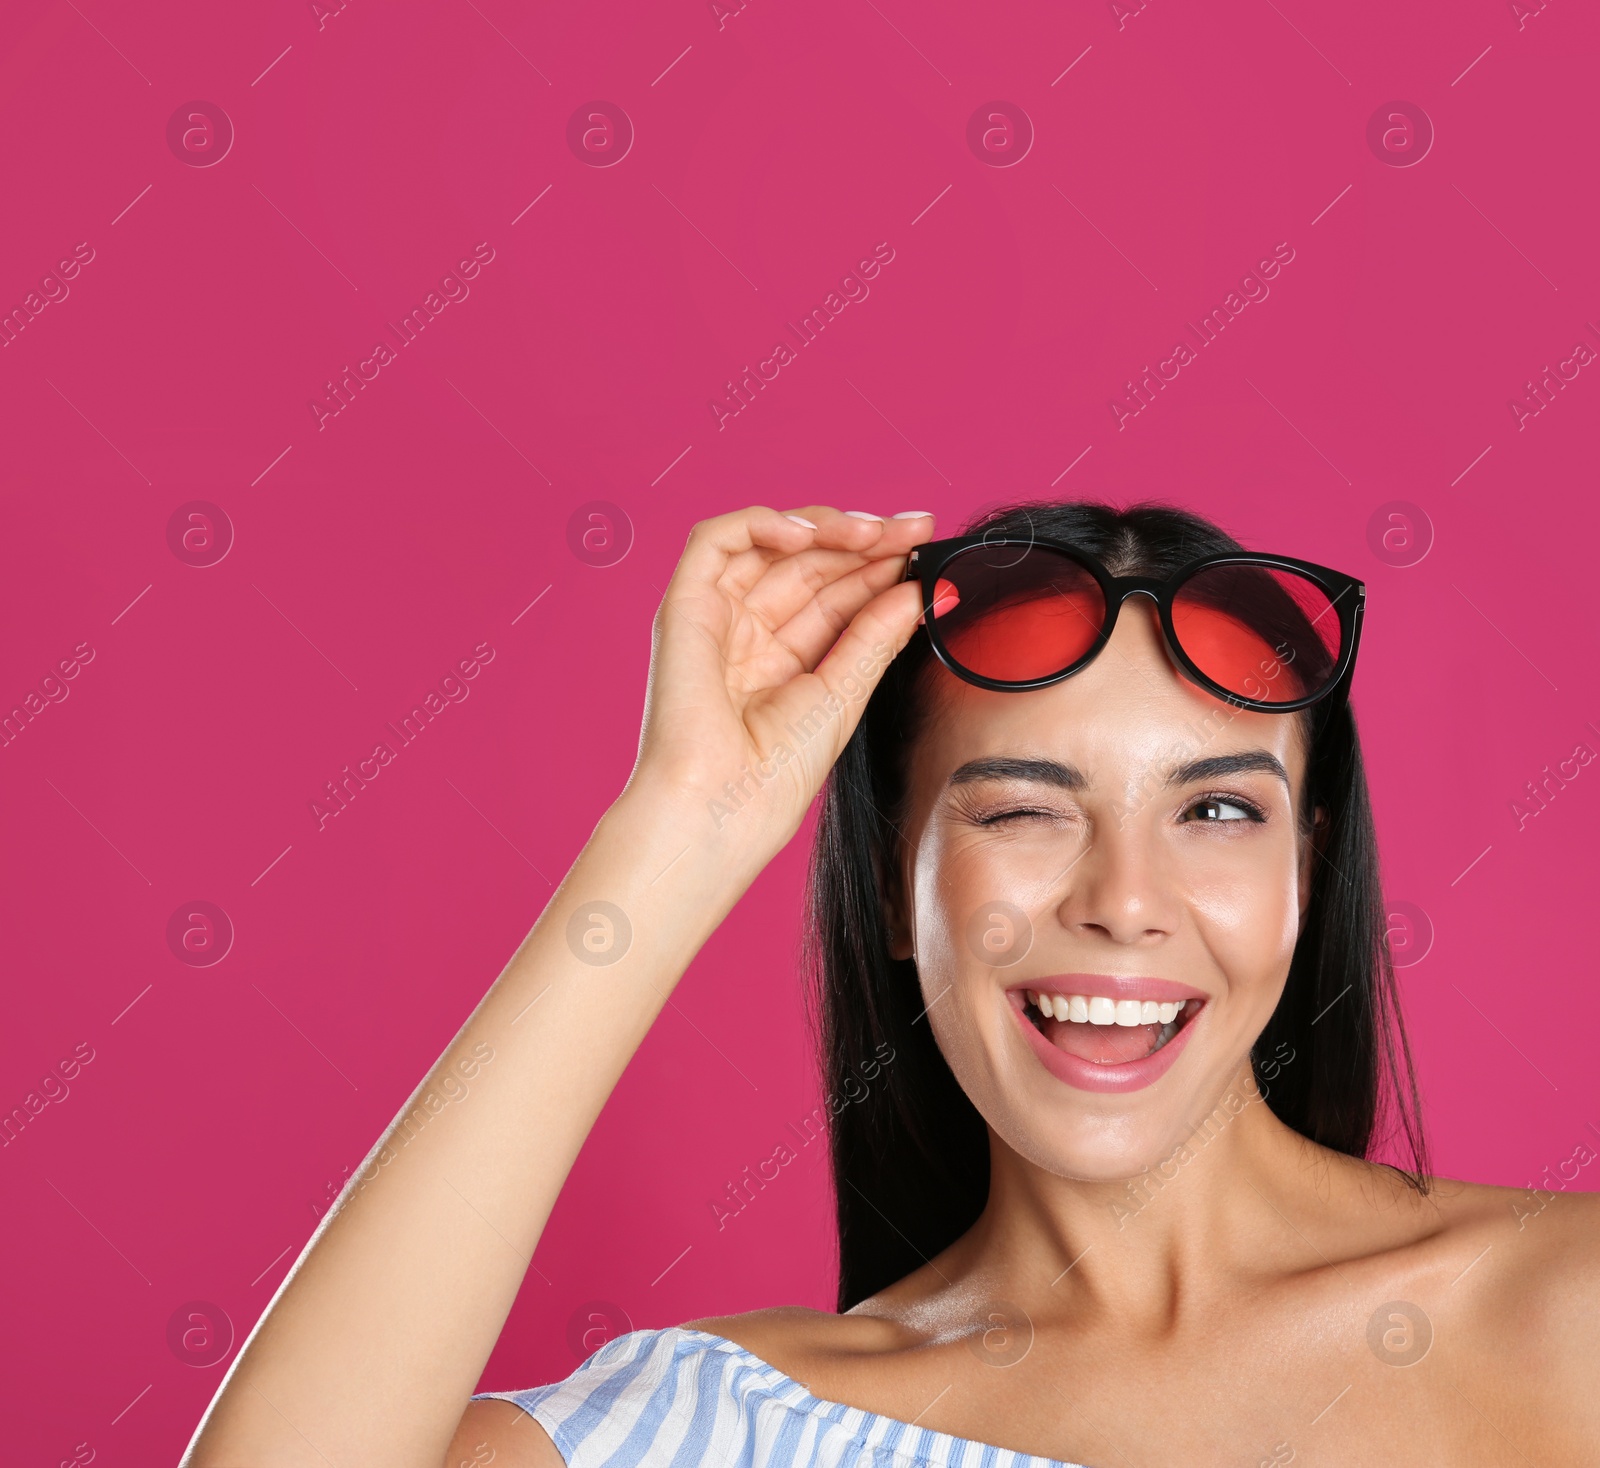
[1242, 1197]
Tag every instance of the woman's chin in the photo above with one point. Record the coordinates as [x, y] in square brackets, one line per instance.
[1099, 1150]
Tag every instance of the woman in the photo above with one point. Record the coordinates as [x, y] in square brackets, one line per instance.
[1097, 922]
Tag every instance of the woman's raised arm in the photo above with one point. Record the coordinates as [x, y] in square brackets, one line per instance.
[372, 1345]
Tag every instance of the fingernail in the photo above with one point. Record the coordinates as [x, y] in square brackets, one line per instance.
[863, 515]
[945, 599]
[914, 515]
[800, 520]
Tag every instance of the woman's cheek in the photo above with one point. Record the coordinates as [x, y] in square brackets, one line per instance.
[1018, 869]
[1249, 926]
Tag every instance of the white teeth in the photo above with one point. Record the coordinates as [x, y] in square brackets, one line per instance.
[1100, 1010]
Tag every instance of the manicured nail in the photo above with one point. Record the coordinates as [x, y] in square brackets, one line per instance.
[914, 515]
[946, 597]
[800, 520]
[863, 515]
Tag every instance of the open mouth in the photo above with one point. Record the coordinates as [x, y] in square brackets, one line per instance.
[1105, 1031]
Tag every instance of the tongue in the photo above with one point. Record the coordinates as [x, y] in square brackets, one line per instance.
[1102, 1044]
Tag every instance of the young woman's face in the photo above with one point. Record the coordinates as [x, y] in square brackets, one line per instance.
[1121, 846]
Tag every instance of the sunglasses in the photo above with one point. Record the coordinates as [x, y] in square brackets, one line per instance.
[1260, 632]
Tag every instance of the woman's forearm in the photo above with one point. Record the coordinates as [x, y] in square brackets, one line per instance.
[374, 1342]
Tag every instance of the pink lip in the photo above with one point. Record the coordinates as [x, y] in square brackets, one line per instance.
[1132, 1075]
[1112, 986]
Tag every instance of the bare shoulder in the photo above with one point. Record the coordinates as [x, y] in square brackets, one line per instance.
[796, 1340]
[1519, 1270]
[1534, 1236]
[1549, 1248]
[501, 1433]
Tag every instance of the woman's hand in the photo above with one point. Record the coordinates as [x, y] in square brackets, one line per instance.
[772, 634]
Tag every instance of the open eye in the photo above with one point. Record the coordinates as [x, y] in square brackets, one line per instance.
[1218, 809]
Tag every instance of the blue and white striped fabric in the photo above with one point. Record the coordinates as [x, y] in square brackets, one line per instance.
[679, 1397]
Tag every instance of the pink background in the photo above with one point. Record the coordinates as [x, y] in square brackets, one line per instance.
[1173, 148]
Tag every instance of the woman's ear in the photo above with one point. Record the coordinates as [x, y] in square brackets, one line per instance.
[897, 915]
[1311, 853]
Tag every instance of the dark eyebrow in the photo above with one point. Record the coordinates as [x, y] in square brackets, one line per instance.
[1219, 766]
[1038, 771]
[1070, 777]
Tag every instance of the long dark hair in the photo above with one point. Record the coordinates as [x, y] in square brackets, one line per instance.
[910, 1152]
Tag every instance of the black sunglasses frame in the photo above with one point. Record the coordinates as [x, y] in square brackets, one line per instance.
[1347, 595]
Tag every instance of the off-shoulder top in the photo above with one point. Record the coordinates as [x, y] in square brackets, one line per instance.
[679, 1397]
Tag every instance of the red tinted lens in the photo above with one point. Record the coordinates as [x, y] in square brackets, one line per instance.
[1259, 632]
[1025, 612]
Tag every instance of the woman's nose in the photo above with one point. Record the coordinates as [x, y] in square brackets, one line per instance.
[1116, 887]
